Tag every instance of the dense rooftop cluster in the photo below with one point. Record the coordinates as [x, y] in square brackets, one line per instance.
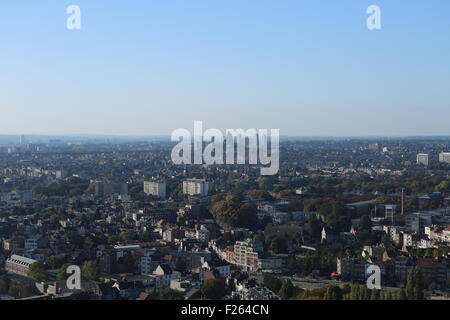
[140, 227]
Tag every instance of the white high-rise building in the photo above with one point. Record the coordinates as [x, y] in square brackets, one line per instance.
[106, 188]
[423, 158]
[155, 189]
[246, 254]
[146, 263]
[444, 157]
[195, 187]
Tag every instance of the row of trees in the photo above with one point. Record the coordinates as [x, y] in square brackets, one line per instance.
[73, 186]
[347, 292]
[39, 271]
[285, 289]
[321, 262]
[413, 290]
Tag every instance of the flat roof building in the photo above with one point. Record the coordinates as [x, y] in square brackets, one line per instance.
[155, 188]
[423, 158]
[444, 157]
[18, 265]
[194, 187]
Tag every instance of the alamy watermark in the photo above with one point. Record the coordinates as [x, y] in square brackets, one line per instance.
[74, 280]
[373, 22]
[374, 277]
[236, 141]
[73, 22]
[374, 19]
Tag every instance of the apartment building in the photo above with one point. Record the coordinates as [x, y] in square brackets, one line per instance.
[202, 234]
[103, 189]
[155, 188]
[444, 157]
[18, 265]
[423, 158]
[194, 187]
[163, 275]
[249, 255]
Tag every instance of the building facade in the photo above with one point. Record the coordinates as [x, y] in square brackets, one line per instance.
[195, 187]
[155, 188]
[444, 157]
[103, 189]
[423, 158]
[18, 265]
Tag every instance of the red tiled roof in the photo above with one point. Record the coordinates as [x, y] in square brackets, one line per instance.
[168, 257]
[425, 263]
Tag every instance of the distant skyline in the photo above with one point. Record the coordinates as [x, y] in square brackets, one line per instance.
[146, 68]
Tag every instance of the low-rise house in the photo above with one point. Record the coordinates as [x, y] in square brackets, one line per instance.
[223, 269]
[163, 274]
[14, 244]
[36, 242]
[328, 235]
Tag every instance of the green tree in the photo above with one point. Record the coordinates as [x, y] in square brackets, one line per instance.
[313, 226]
[4, 284]
[259, 194]
[247, 216]
[414, 285]
[112, 240]
[410, 285]
[37, 271]
[402, 294]
[213, 289]
[286, 290]
[146, 237]
[180, 264]
[272, 283]
[229, 211]
[444, 186]
[355, 292]
[170, 294]
[331, 293]
[419, 293]
[90, 270]
[62, 273]
[365, 223]
[128, 235]
[278, 245]
[55, 262]
[375, 295]
[129, 263]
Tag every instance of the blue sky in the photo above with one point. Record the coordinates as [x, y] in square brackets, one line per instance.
[309, 68]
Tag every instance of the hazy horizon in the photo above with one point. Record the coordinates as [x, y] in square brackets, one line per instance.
[87, 135]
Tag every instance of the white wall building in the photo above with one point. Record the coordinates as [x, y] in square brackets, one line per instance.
[146, 263]
[246, 254]
[155, 188]
[202, 234]
[444, 157]
[163, 275]
[423, 158]
[195, 187]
